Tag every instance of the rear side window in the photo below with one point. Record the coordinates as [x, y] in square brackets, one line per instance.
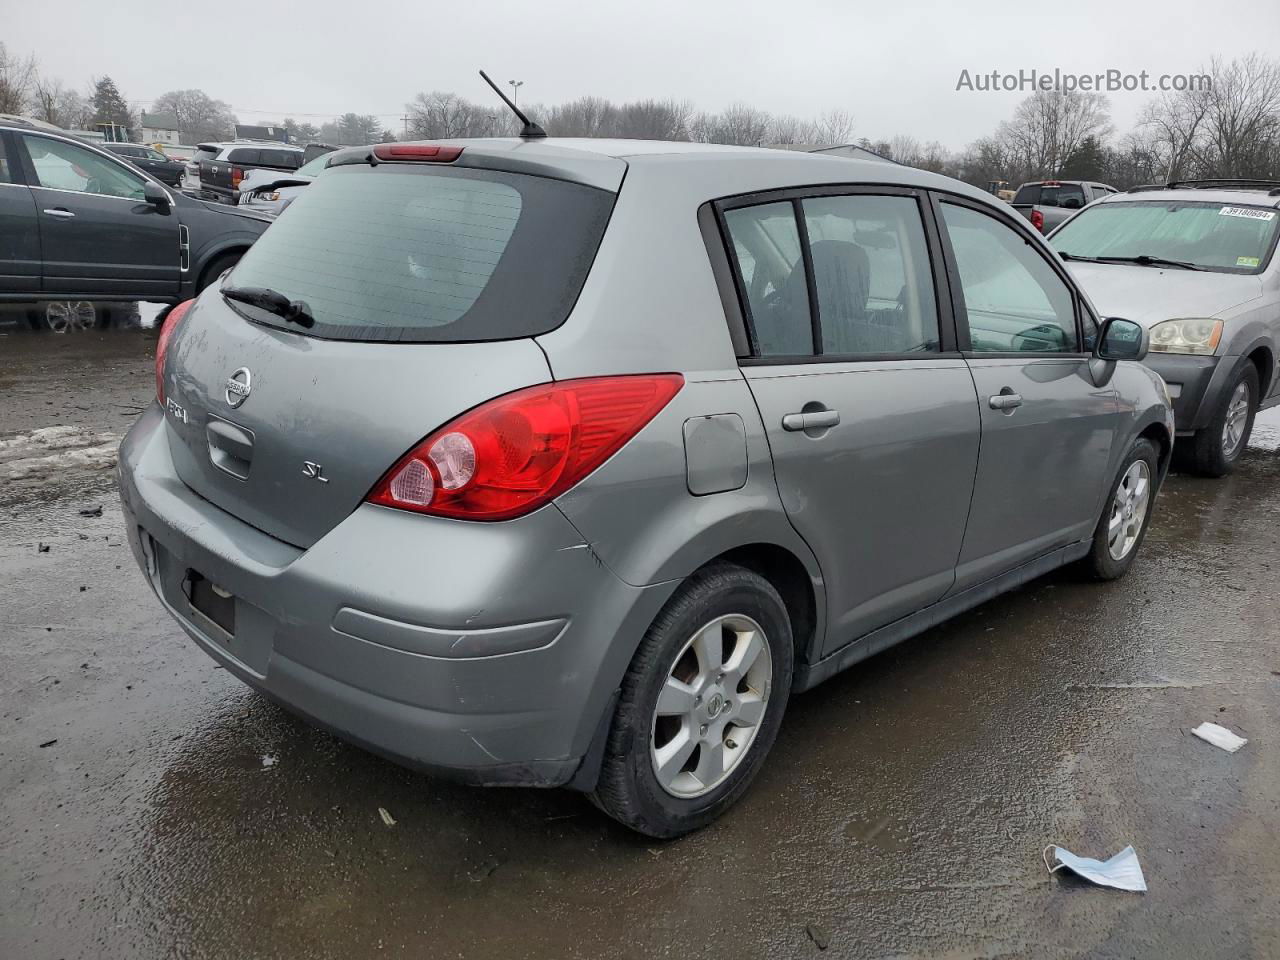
[418, 253]
[766, 244]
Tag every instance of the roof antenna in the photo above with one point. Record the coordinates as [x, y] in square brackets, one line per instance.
[530, 130]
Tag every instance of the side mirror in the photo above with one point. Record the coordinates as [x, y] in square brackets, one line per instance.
[155, 195]
[1122, 339]
[1071, 203]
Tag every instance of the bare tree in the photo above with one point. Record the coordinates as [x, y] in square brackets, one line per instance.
[47, 97]
[440, 115]
[1242, 123]
[740, 124]
[16, 76]
[834, 127]
[787, 129]
[1048, 127]
[198, 115]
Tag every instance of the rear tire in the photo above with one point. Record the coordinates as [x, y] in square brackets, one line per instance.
[732, 693]
[217, 268]
[1126, 514]
[1215, 450]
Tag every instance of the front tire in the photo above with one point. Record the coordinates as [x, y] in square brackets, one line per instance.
[1127, 514]
[700, 705]
[1217, 448]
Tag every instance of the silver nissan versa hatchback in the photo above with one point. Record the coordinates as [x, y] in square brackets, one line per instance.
[565, 463]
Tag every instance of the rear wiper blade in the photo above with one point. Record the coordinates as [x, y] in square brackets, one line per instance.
[1146, 260]
[292, 311]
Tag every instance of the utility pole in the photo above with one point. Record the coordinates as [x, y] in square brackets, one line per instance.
[515, 90]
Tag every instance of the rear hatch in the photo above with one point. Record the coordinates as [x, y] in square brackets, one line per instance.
[426, 282]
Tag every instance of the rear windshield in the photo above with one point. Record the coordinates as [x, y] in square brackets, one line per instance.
[420, 253]
[1049, 195]
[206, 152]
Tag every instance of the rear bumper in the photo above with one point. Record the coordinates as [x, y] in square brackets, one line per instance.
[487, 653]
[219, 194]
[1195, 383]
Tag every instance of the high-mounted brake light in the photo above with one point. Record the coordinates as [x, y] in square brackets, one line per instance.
[507, 457]
[170, 324]
[1037, 220]
[430, 152]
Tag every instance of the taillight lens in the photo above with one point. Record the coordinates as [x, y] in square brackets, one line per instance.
[511, 455]
[236, 176]
[162, 344]
[1037, 220]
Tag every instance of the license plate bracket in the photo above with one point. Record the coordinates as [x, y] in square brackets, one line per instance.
[211, 601]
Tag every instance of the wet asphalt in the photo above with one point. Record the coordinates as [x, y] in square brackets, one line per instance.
[151, 806]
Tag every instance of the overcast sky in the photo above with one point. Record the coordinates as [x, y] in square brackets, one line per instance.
[893, 65]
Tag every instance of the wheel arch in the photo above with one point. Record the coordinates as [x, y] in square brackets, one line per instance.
[213, 258]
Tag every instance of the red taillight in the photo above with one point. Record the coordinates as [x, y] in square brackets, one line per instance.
[1037, 220]
[511, 455]
[236, 176]
[432, 152]
[162, 344]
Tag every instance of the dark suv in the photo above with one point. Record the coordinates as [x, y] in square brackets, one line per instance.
[221, 174]
[77, 223]
[150, 160]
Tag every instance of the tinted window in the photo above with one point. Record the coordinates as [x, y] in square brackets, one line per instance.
[66, 166]
[871, 273]
[1049, 195]
[6, 176]
[1214, 236]
[413, 252]
[206, 151]
[766, 245]
[1014, 300]
[245, 155]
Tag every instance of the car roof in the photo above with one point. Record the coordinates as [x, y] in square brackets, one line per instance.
[725, 170]
[1255, 198]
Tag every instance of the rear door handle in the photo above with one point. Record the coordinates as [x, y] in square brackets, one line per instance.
[60, 213]
[816, 420]
[1005, 401]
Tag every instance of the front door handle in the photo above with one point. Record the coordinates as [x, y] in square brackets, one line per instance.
[814, 420]
[1006, 401]
[60, 213]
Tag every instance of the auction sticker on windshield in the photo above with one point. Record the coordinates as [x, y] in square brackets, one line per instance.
[1250, 212]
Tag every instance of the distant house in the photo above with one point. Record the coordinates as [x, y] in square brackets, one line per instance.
[246, 131]
[160, 128]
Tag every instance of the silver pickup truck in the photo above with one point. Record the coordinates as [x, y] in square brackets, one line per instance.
[1047, 203]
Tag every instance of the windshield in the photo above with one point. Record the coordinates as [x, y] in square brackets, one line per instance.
[416, 253]
[313, 167]
[1214, 236]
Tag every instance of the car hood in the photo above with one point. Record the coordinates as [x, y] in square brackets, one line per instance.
[1148, 295]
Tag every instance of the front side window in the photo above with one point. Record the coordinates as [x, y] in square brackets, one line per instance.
[871, 272]
[766, 245]
[1227, 238]
[1014, 301]
[65, 166]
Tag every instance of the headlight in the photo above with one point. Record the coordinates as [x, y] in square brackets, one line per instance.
[1193, 335]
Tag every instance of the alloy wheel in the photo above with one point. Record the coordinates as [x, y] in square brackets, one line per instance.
[64, 316]
[1236, 421]
[711, 706]
[1128, 509]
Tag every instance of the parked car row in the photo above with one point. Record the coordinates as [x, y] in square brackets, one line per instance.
[567, 464]
[82, 224]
